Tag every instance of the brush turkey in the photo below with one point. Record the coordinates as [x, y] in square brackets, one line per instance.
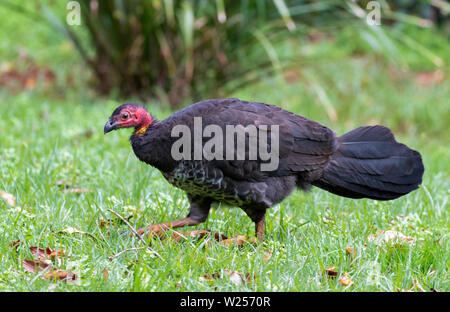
[366, 162]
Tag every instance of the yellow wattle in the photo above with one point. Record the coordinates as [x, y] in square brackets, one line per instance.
[141, 131]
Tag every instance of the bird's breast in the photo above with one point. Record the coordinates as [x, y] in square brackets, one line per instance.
[197, 178]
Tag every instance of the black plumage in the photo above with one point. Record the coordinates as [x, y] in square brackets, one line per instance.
[364, 163]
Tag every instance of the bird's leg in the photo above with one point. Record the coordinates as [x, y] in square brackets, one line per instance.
[259, 228]
[198, 214]
[258, 216]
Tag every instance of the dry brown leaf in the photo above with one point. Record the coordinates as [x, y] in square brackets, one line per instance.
[418, 286]
[239, 240]
[38, 265]
[48, 253]
[291, 76]
[426, 79]
[44, 262]
[267, 256]
[85, 134]
[208, 276]
[316, 36]
[390, 236]
[104, 223]
[249, 277]
[67, 187]
[178, 236]
[63, 184]
[77, 190]
[331, 272]
[345, 280]
[15, 244]
[105, 274]
[10, 200]
[236, 278]
[60, 275]
[194, 234]
[35, 265]
[414, 287]
[39, 252]
[350, 252]
[72, 230]
[59, 253]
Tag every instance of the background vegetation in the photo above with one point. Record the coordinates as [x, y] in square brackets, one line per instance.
[319, 59]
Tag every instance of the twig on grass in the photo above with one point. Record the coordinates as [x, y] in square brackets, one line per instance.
[111, 258]
[136, 233]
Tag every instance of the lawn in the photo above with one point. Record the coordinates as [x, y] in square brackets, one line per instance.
[49, 138]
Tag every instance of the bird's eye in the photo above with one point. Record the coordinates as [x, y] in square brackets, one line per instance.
[124, 116]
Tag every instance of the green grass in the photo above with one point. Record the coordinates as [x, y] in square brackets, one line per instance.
[306, 233]
[43, 139]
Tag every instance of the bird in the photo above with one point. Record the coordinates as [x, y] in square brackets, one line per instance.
[366, 162]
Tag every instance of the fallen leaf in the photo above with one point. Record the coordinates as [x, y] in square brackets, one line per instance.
[72, 230]
[418, 286]
[77, 190]
[104, 223]
[350, 252]
[48, 253]
[38, 265]
[345, 280]
[43, 263]
[39, 252]
[390, 236]
[105, 274]
[291, 76]
[331, 272]
[178, 236]
[67, 187]
[28, 77]
[63, 184]
[35, 265]
[10, 200]
[426, 79]
[16, 243]
[236, 278]
[208, 276]
[414, 287]
[267, 256]
[239, 240]
[85, 134]
[61, 275]
[194, 234]
[249, 277]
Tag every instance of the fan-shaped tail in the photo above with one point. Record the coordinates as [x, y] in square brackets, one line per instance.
[370, 163]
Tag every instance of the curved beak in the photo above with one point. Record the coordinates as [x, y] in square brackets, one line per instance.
[110, 126]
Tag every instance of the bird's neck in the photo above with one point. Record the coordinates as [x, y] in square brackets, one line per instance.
[152, 145]
[147, 120]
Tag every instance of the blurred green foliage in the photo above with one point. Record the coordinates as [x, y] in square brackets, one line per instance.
[194, 49]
